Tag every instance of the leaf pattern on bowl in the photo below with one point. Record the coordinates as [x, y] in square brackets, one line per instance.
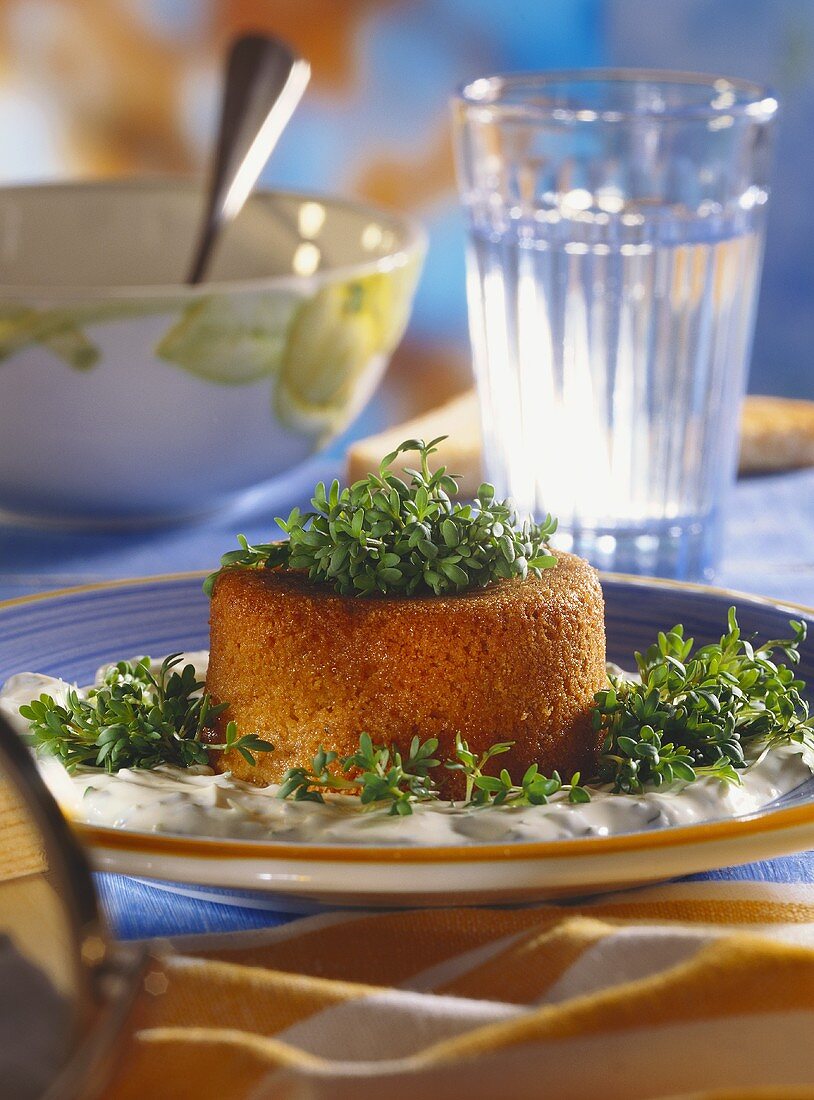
[317, 351]
[332, 339]
[233, 339]
[60, 329]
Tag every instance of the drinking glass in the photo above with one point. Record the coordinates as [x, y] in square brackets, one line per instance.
[616, 224]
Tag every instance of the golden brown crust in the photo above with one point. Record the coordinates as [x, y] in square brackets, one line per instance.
[303, 667]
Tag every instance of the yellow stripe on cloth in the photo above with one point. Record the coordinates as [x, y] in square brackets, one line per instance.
[523, 971]
[187, 1063]
[415, 942]
[657, 994]
[356, 949]
[214, 994]
[734, 977]
[711, 911]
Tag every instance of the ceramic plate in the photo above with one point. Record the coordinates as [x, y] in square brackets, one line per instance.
[70, 633]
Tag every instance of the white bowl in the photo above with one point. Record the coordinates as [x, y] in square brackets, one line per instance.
[126, 395]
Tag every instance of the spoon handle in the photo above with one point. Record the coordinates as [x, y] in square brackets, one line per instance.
[265, 81]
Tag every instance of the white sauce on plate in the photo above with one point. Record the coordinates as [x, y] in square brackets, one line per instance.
[198, 802]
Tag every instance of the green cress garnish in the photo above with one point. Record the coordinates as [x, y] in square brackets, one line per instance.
[696, 711]
[381, 777]
[134, 719]
[694, 715]
[382, 535]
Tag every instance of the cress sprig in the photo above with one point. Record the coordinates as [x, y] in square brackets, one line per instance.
[396, 538]
[534, 789]
[380, 776]
[134, 719]
[697, 710]
[377, 773]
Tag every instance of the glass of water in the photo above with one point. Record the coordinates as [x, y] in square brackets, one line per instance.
[616, 223]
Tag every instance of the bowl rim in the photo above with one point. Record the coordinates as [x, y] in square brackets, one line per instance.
[412, 244]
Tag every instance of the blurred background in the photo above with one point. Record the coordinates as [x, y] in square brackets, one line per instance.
[92, 88]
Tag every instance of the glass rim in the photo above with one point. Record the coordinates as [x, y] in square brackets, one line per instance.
[487, 94]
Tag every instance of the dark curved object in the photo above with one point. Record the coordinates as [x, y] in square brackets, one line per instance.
[106, 975]
[265, 81]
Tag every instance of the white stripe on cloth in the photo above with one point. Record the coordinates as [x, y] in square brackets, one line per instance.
[772, 1049]
[458, 965]
[391, 1024]
[625, 956]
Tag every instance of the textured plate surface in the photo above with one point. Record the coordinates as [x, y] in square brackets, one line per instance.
[70, 633]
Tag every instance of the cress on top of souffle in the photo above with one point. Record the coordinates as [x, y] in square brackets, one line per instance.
[394, 610]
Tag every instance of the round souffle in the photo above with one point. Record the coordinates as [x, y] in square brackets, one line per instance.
[303, 667]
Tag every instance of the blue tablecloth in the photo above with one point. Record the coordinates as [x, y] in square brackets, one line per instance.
[768, 549]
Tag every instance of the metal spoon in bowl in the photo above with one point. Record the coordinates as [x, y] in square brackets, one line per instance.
[265, 81]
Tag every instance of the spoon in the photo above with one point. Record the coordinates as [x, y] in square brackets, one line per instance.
[265, 81]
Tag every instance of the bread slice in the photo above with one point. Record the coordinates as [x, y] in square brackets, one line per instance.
[461, 453]
[777, 433]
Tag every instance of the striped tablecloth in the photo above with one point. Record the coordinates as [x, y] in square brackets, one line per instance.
[694, 989]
